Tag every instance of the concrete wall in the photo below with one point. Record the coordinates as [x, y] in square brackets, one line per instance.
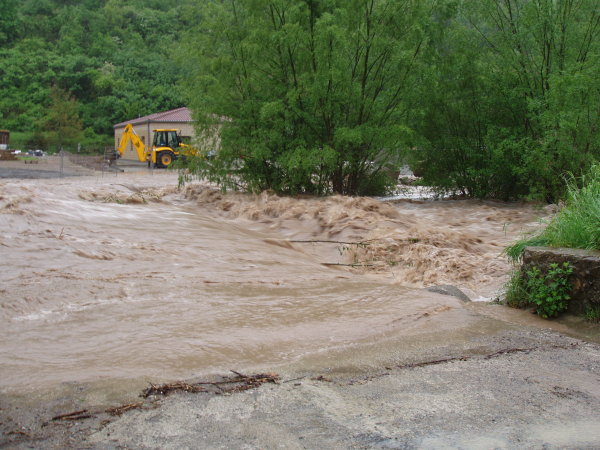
[186, 130]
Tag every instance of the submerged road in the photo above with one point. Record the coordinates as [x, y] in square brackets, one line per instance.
[537, 390]
[519, 387]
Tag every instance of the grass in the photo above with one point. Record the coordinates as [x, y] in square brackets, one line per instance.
[516, 291]
[18, 139]
[592, 314]
[577, 224]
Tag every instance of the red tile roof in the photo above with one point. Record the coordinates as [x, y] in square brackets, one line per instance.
[174, 115]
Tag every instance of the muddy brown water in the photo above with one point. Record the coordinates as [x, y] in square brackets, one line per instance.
[130, 278]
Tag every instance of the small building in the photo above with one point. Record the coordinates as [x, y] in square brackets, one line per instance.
[179, 119]
[4, 135]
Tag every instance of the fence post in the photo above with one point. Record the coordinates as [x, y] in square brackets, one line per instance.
[62, 162]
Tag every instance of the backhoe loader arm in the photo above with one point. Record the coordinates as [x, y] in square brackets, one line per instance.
[129, 135]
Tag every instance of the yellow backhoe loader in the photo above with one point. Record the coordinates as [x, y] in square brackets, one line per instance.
[166, 146]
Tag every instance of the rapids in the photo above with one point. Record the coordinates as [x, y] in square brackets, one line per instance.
[129, 277]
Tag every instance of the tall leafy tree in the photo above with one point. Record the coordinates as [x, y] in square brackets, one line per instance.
[61, 125]
[10, 23]
[516, 107]
[310, 95]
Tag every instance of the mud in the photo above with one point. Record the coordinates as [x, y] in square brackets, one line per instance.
[110, 283]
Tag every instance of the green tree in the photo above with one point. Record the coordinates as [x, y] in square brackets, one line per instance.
[509, 96]
[10, 24]
[61, 124]
[113, 56]
[310, 95]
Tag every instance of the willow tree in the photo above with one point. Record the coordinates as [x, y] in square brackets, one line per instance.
[511, 93]
[552, 50]
[309, 95]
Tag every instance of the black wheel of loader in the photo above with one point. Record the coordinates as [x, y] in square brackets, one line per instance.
[164, 159]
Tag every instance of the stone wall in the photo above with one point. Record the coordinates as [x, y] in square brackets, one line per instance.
[585, 278]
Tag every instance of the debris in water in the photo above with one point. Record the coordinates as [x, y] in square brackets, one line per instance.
[123, 408]
[238, 383]
[166, 389]
[245, 382]
[322, 378]
[17, 432]
[75, 415]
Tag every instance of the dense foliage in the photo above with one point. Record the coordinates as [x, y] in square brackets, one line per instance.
[511, 93]
[495, 98]
[314, 92]
[548, 292]
[111, 58]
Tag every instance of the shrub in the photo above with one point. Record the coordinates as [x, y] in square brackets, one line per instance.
[548, 292]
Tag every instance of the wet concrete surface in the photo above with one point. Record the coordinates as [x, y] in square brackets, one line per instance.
[519, 387]
[546, 397]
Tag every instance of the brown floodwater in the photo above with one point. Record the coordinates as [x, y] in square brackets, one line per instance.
[127, 277]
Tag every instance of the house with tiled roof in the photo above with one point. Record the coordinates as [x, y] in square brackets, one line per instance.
[179, 119]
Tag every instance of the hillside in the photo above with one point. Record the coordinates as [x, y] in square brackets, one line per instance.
[111, 60]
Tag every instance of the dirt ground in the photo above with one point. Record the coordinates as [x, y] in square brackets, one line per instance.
[356, 352]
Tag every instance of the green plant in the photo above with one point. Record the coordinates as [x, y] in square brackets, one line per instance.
[516, 292]
[549, 292]
[592, 314]
[577, 224]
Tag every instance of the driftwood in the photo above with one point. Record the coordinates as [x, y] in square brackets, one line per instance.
[165, 389]
[348, 265]
[433, 363]
[75, 415]
[117, 411]
[244, 382]
[323, 241]
[496, 354]
[322, 378]
[359, 243]
[17, 433]
[508, 351]
[238, 383]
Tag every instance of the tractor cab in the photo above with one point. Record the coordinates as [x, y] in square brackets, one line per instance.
[166, 138]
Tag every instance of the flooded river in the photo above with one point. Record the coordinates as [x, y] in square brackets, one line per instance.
[127, 277]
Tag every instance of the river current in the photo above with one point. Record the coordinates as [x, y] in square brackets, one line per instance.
[129, 277]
